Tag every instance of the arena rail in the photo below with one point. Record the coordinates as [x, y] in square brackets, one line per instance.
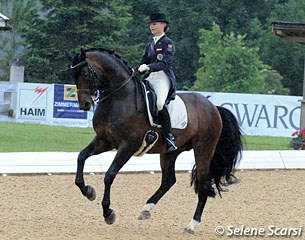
[65, 162]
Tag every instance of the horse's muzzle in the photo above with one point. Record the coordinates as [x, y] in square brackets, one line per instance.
[86, 105]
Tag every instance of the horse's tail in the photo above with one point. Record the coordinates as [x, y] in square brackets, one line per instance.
[227, 155]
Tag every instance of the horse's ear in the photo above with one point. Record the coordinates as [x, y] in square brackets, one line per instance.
[82, 54]
[69, 56]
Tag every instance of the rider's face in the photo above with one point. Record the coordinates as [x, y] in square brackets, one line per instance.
[157, 28]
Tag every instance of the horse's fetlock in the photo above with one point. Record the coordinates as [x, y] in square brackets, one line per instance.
[105, 205]
[77, 183]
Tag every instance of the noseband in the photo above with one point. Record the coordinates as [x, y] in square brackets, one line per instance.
[100, 95]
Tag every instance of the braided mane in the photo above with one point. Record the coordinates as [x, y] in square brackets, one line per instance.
[80, 59]
[110, 52]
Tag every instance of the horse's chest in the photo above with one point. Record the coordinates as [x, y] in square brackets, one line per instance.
[112, 126]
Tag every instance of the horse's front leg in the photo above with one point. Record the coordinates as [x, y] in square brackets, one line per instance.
[95, 147]
[167, 162]
[122, 156]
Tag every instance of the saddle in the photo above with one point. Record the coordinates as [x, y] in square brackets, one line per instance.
[176, 108]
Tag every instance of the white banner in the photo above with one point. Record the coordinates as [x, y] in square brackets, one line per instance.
[32, 103]
[257, 114]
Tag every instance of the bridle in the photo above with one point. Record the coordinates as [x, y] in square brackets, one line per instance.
[93, 77]
[98, 94]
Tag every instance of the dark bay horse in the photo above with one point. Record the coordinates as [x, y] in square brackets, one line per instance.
[212, 132]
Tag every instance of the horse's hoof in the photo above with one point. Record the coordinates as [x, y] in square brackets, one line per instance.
[111, 219]
[189, 230]
[144, 215]
[90, 194]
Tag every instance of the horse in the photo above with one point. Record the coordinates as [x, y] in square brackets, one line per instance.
[212, 132]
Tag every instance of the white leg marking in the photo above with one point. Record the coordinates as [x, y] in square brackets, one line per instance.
[145, 214]
[192, 225]
[149, 207]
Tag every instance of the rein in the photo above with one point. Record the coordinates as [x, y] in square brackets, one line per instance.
[113, 89]
[93, 76]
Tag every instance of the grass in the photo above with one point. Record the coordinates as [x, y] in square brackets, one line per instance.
[266, 143]
[20, 137]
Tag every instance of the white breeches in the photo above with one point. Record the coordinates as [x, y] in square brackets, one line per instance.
[161, 84]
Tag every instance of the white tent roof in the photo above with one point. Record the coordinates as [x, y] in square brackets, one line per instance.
[3, 17]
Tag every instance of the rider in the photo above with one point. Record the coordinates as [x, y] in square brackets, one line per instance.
[157, 60]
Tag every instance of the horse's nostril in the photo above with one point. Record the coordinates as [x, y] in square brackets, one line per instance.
[87, 105]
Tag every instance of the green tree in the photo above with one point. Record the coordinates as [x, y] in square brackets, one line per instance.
[272, 82]
[285, 57]
[227, 64]
[186, 18]
[65, 25]
[12, 44]
[236, 16]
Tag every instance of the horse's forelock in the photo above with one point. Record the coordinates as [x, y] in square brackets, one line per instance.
[78, 58]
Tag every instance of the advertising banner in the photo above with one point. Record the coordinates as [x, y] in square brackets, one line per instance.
[258, 114]
[32, 103]
[65, 103]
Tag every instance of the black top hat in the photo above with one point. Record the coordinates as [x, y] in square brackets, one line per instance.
[158, 17]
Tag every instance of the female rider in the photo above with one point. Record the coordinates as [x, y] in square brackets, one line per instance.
[156, 61]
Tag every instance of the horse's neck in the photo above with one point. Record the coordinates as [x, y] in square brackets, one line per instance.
[115, 73]
[120, 105]
[120, 88]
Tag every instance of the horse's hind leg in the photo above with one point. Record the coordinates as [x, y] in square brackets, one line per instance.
[202, 184]
[95, 147]
[167, 162]
[202, 199]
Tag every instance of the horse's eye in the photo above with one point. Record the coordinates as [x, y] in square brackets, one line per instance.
[85, 73]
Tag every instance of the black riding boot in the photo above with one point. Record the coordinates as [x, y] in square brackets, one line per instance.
[167, 129]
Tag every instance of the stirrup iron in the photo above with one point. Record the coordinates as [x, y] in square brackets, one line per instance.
[171, 143]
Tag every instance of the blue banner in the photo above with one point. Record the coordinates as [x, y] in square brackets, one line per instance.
[66, 104]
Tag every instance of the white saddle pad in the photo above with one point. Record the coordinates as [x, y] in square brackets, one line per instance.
[177, 111]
